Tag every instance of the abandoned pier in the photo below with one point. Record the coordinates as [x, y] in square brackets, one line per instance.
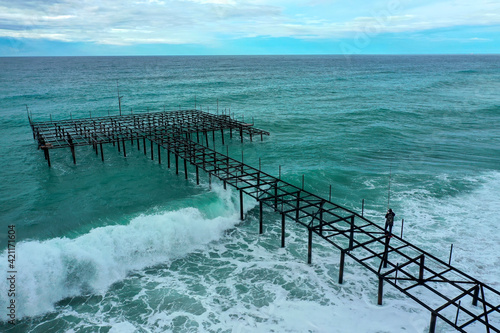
[181, 139]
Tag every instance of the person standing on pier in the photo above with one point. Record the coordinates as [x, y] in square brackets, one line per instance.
[389, 222]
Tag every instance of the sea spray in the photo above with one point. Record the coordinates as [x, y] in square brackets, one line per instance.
[61, 267]
[465, 215]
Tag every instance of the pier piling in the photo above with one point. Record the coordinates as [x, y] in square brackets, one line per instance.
[341, 267]
[309, 245]
[261, 228]
[241, 205]
[283, 217]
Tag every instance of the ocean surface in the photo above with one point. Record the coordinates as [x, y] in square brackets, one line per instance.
[125, 245]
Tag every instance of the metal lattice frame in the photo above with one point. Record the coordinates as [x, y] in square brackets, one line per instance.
[448, 293]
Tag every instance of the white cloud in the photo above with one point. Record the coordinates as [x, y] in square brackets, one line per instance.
[205, 21]
[218, 2]
[59, 17]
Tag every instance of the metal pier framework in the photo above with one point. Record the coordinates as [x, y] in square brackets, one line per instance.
[451, 295]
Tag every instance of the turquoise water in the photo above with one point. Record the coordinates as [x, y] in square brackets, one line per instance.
[126, 245]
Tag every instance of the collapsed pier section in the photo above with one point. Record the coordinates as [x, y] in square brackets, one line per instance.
[141, 128]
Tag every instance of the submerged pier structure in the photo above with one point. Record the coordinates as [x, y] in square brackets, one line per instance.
[450, 295]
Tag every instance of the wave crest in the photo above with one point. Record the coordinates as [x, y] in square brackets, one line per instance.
[49, 271]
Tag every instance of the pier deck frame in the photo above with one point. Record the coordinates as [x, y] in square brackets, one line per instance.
[448, 293]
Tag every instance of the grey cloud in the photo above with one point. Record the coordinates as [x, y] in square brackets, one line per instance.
[19, 27]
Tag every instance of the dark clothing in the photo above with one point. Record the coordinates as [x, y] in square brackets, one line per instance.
[389, 217]
[389, 221]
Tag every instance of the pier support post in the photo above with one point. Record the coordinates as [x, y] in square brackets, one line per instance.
[385, 257]
[144, 144]
[176, 164]
[124, 151]
[309, 246]
[72, 147]
[241, 205]
[168, 157]
[197, 176]
[258, 181]
[421, 270]
[341, 267]
[458, 311]
[185, 169]
[297, 212]
[476, 296]
[159, 154]
[351, 234]
[261, 229]
[222, 135]
[138, 144]
[283, 230]
[402, 225]
[380, 289]
[73, 153]
[47, 156]
[321, 220]
[432, 326]
[102, 153]
[152, 151]
[276, 196]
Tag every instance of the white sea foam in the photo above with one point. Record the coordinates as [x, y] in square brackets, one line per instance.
[469, 221]
[123, 327]
[248, 283]
[257, 289]
[49, 271]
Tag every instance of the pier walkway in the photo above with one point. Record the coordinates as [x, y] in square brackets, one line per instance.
[450, 295]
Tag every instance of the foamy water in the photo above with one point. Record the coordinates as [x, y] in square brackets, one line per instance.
[125, 245]
[467, 220]
[242, 280]
[59, 268]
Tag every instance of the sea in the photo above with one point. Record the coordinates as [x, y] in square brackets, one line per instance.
[126, 245]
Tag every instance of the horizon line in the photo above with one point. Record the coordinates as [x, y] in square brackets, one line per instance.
[254, 55]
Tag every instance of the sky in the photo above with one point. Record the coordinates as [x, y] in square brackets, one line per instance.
[234, 27]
